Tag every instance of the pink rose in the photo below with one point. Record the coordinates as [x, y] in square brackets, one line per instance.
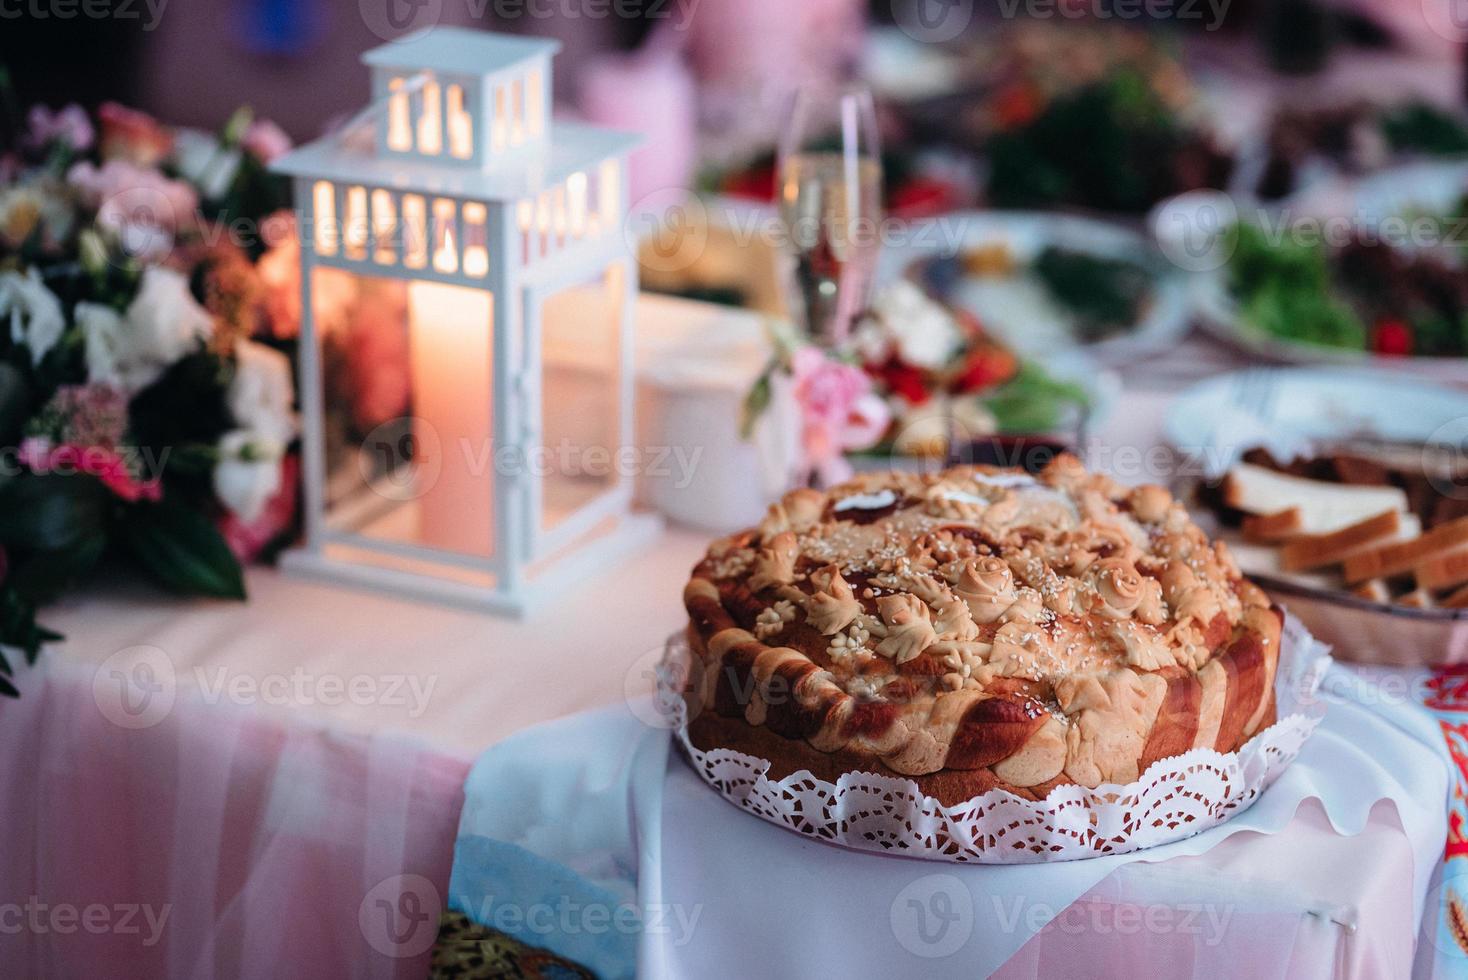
[839, 412]
[140, 204]
[133, 136]
[266, 141]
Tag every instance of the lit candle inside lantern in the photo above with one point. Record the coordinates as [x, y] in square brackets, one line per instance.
[451, 331]
[446, 245]
[476, 250]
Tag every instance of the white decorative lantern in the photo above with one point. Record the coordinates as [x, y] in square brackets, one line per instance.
[489, 245]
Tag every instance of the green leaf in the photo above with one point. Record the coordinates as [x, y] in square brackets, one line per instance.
[51, 511]
[181, 549]
[45, 575]
[18, 626]
[755, 404]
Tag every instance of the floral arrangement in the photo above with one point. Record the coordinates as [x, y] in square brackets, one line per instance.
[913, 378]
[146, 394]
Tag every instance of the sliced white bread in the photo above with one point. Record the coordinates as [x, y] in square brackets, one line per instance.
[1322, 507]
[1399, 558]
[1274, 528]
[1443, 571]
[1323, 550]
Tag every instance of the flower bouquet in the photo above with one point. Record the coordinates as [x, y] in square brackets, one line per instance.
[915, 380]
[146, 408]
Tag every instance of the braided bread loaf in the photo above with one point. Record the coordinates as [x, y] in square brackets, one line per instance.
[977, 628]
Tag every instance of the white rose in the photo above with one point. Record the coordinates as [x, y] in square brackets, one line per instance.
[162, 325]
[204, 162]
[260, 393]
[33, 310]
[102, 333]
[164, 320]
[248, 473]
[923, 333]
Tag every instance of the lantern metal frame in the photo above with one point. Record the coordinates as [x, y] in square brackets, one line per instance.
[546, 213]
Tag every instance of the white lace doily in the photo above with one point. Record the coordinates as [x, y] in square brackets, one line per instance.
[1176, 798]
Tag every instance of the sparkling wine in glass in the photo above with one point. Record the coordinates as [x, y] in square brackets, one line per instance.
[830, 186]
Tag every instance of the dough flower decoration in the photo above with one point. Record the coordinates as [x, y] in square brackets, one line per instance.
[909, 627]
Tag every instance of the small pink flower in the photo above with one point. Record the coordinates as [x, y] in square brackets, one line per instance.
[38, 455]
[248, 540]
[839, 412]
[69, 126]
[266, 141]
[133, 136]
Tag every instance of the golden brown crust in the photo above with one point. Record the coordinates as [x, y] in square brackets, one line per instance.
[977, 629]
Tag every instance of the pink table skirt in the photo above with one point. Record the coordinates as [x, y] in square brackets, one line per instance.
[214, 843]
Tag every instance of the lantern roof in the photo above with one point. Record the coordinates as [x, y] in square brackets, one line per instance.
[459, 50]
[571, 148]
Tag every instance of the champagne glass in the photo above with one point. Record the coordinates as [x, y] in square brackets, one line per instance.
[830, 186]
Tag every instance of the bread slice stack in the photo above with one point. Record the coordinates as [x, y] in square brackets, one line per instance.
[1368, 534]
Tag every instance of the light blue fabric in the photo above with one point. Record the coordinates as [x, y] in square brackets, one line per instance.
[560, 822]
[571, 813]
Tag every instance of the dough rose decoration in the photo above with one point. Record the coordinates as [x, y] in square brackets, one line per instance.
[1120, 586]
[987, 586]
